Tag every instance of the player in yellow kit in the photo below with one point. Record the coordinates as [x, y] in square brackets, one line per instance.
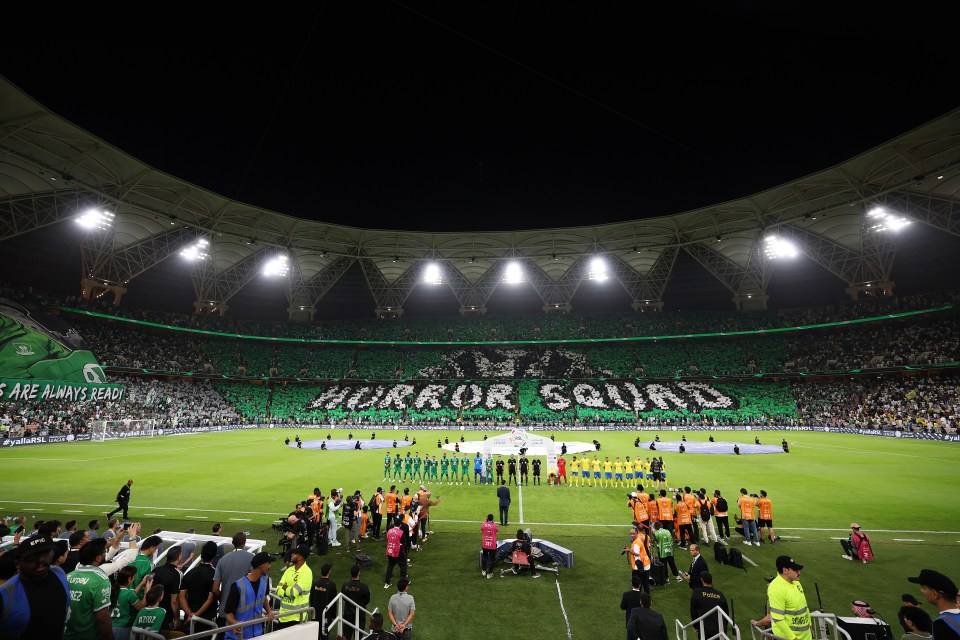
[618, 472]
[595, 468]
[628, 471]
[607, 472]
[585, 469]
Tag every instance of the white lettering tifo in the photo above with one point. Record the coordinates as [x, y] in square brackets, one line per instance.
[607, 395]
[21, 390]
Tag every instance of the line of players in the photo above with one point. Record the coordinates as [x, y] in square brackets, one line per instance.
[615, 473]
[456, 470]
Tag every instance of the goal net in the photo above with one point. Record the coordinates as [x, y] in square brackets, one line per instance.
[101, 430]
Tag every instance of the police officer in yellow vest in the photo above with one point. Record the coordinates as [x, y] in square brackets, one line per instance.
[294, 588]
[789, 613]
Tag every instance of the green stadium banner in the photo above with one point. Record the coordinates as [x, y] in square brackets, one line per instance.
[37, 345]
[14, 389]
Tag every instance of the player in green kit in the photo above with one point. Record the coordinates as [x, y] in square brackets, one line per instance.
[408, 466]
[417, 463]
[386, 466]
[397, 462]
[445, 468]
[435, 469]
[464, 470]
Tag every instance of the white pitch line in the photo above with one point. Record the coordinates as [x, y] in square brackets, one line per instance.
[10, 460]
[156, 515]
[790, 537]
[175, 509]
[238, 519]
[196, 517]
[552, 524]
[749, 560]
[125, 455]
[886, 453]
[520, 500]
[907, 540]
[71, 511]
[563, 610]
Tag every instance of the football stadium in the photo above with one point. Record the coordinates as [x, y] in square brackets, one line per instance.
[559, 384]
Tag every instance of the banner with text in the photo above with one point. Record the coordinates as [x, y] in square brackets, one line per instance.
[14, 389]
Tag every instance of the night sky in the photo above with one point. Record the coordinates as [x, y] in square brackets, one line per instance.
[490, 116]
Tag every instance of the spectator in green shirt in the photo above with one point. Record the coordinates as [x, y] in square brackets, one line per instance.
[126, 603]
[89, 595]
[143, 563]
[152, 615]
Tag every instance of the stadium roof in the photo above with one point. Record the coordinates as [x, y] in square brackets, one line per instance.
[52, 170]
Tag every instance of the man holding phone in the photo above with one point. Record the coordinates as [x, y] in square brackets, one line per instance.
[144, 563]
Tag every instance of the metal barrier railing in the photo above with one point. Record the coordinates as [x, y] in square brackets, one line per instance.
[823, 626]
[355, 630]
[723, 620]
[137, 633]
[290, 610]
[203, 621]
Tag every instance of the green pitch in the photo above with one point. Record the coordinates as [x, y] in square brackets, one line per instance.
[900, 491]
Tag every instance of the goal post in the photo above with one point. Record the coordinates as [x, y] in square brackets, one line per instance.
[101, 430]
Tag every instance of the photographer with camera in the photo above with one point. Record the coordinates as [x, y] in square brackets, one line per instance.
[349, 520]
[523, 544]
[294, 533]
[639, 557]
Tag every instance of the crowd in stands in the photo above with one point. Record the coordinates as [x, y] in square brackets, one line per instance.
[168, 403]
[933, 340]
[640, 382]
[890, 402]
[572, 325]
[904, 403]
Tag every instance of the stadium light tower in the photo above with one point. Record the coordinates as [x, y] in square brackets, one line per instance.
[883, 220]
[775, 247]
[95, 219]
[432, 274]
[197, 250]
[276, 267]
[513, 273]
[598, 270]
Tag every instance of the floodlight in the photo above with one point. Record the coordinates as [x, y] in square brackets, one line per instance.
[276, 267]
[197, 250]
[513, 274]
[95, 219]
[598, 270]
[775, 247]
[432, 273]
[883, 220]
